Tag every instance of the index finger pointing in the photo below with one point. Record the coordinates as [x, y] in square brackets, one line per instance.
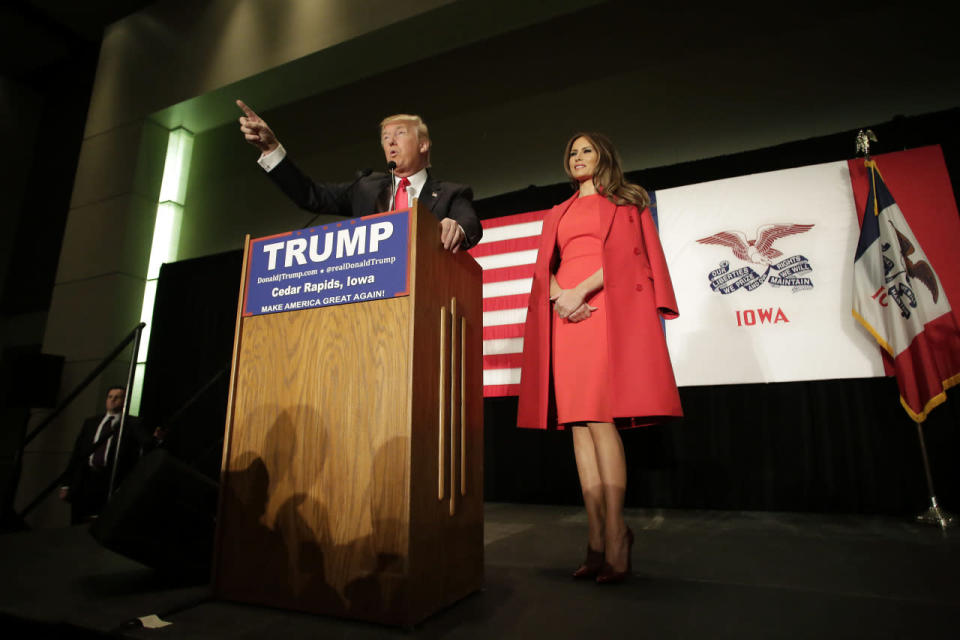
[246, 110]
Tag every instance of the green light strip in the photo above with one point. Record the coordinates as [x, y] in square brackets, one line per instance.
[166, 240]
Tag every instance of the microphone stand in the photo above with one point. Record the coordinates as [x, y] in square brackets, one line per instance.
[391, 166]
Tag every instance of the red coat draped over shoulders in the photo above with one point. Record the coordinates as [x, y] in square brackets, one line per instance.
[638, 291]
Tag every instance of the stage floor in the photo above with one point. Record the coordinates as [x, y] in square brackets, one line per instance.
[697, 574]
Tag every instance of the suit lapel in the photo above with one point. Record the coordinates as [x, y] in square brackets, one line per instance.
[430, 193]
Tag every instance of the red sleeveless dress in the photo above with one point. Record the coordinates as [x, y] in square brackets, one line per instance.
[580, 362]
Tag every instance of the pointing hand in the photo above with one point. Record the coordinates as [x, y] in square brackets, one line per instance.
[255, 130]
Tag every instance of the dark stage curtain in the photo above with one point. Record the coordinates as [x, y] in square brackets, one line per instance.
[835, 445]
[188, 360]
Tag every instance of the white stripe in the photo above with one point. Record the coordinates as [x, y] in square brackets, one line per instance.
[502, 345]
[506, 316]
[512, 231]
[512, 259]
[501, 376]
[507, 288]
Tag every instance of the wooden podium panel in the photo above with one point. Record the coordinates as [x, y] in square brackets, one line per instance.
[352, 474]
[446, 546]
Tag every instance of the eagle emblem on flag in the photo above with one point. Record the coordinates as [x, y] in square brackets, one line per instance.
[759, 251]
[921, 270]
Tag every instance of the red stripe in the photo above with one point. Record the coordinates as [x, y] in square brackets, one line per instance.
[502, 303]
[500, 390]
[516, 218]
[503, 331]
[508, 273]
[506, 246]
[503, 361]
[932, 358]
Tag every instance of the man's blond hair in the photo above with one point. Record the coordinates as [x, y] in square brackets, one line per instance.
[422, 132]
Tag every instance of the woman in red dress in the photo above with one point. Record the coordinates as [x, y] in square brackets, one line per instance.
[597, 361]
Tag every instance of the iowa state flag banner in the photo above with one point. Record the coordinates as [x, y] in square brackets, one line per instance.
[900, 300]
[761, 270]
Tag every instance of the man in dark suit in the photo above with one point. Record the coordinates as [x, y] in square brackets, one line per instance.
[94, 455]
[406, 142]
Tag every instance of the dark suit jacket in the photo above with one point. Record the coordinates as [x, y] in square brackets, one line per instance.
[371, 194]
[88, 487]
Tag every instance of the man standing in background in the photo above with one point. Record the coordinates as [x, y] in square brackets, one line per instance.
[88, 473]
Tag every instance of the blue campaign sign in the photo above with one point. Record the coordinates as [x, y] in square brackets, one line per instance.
[337, 263]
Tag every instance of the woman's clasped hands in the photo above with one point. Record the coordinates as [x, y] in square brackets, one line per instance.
[570, 305]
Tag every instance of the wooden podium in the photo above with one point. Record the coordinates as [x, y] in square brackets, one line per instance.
[352, 478]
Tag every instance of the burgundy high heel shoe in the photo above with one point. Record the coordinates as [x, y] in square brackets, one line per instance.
[591, 566]
[607, 573]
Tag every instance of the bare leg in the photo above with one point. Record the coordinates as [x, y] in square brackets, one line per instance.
[591, 485]
[612, 467]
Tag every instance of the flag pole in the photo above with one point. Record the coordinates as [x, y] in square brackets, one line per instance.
[934, 514]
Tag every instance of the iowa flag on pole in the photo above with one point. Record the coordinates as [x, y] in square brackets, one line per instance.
[899, 299]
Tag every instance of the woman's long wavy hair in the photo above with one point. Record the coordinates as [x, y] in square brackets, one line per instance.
[608, 178]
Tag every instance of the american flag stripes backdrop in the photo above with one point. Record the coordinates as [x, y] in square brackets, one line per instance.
[507, 254]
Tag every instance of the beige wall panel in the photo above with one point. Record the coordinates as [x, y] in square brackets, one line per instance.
[125, 159]
[108, 236]
[193, 47]
[445, 28]
[90, 317]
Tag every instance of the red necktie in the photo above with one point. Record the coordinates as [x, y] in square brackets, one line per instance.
[401, 202]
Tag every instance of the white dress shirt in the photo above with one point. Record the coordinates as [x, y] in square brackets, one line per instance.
[415, 188]
[270, 160]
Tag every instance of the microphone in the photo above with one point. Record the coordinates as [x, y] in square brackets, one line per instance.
[391, 166]
[363, 173]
